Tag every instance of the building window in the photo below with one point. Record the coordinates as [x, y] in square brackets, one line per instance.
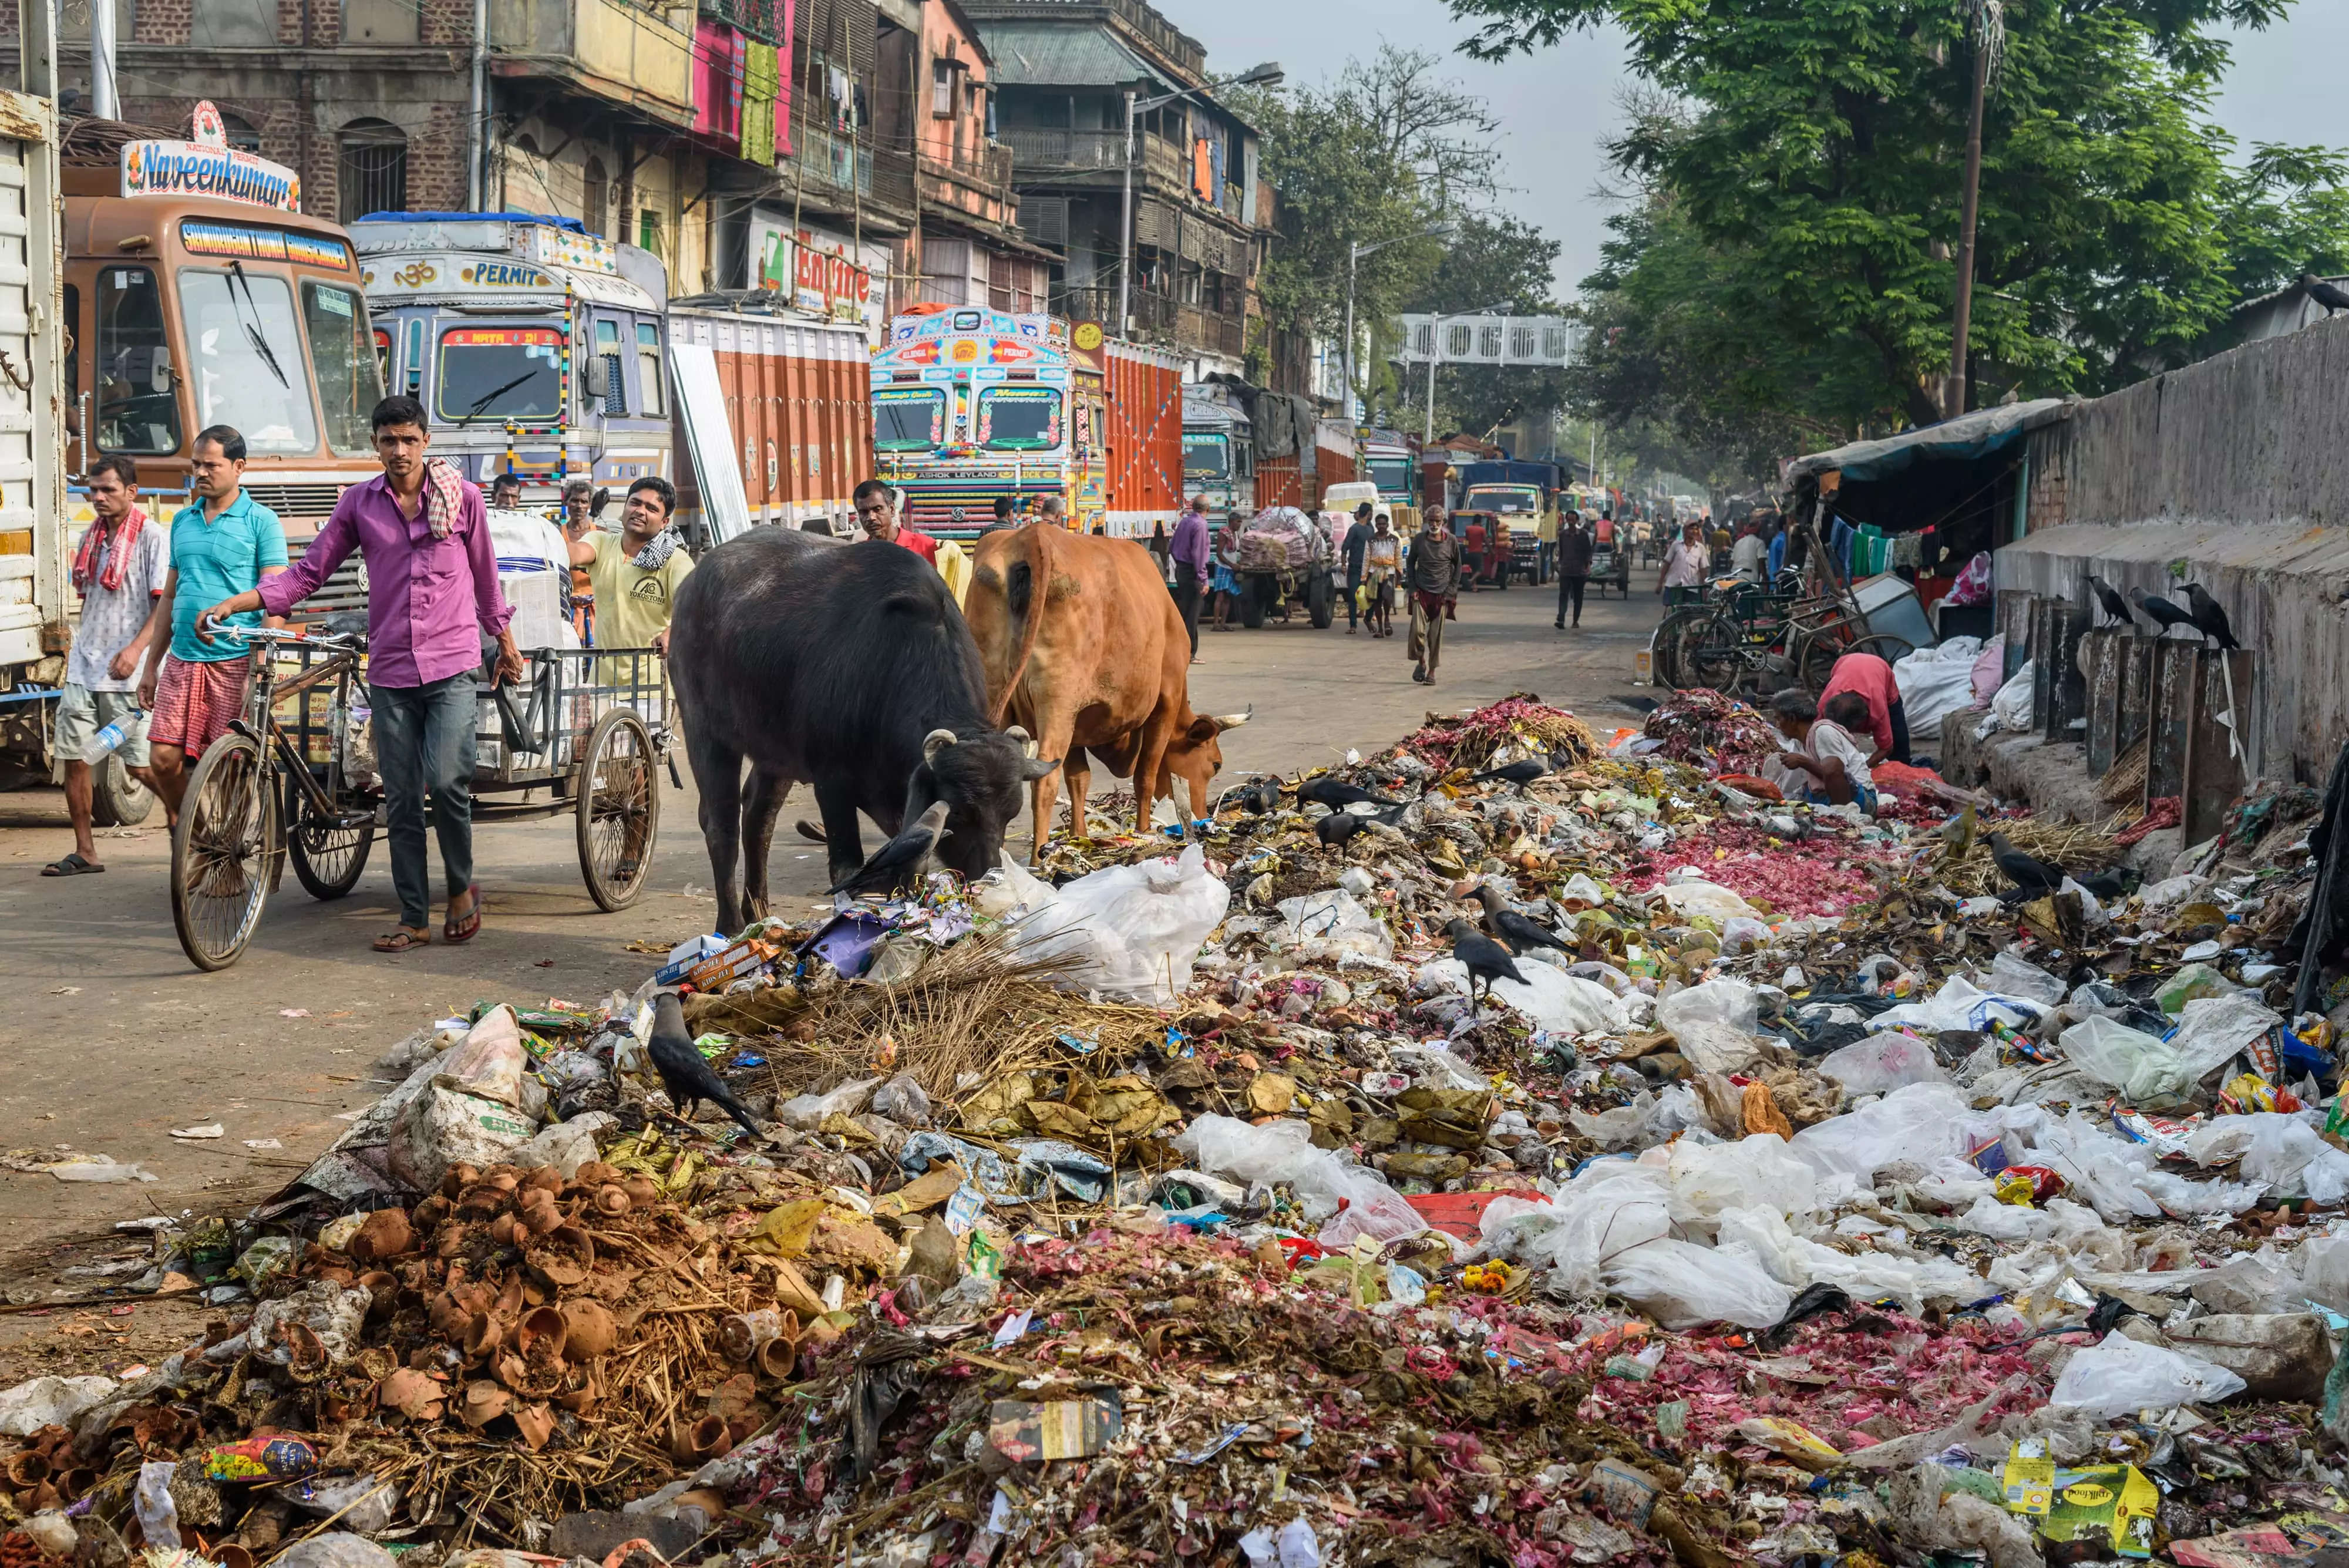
[942, 86]
[240, 131]
[648, 368]
[371, 168]
[232, 25]
[648, 230]
[598, 202]
[382, 22]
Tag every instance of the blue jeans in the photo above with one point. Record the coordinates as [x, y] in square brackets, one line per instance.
[424, 741]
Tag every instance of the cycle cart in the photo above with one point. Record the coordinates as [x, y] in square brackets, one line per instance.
[295, 778]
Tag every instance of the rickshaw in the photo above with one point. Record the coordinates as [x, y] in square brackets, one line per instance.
[294, 778]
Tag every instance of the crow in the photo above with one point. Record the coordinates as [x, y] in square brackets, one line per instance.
[2109, 884]
[898, 863]
[1339, 826]
[2326, 294]
[2160, 611]
[1521, 773]
[1338, 795]
[2109, 597]
[2210, 618]
[1262, 796]
[683, 1072]
[1483, 958]
[2028, 875]
[1512, 928]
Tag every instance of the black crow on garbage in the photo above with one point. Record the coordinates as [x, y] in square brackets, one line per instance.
[2210, 618]
[2031, 876]
[683, 1072]
[2160, 611]
[2109, 597]
[1483, 958]
[1338, 795]
[900, 862]
[1518, 931]
[1520, 773]
[1339, 826]
[2326, 294]
[1262, 796]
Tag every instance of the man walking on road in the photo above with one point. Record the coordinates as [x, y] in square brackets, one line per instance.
[1355, 557]
[432, 597]
[1189, 550]
[1433, 577]
[118, 571]
[223, 543]
[1575, 544]
[1686, 560]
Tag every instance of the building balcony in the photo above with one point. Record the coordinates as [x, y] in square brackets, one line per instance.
[833, 167]
[976, 183]
[1037, 149]
[1154, 318]
[760, 19]
[638, 57]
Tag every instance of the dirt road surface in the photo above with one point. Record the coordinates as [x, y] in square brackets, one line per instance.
[112, 1040]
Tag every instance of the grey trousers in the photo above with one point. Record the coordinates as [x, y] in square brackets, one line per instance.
[424, 742]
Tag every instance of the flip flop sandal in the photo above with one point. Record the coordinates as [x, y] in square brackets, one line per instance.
[72, 866]
[466, 929]
[400, 941]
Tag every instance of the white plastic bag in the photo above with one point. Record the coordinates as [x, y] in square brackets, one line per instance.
[2143, 1068]
[2011, 975]
[1334, 916]
[2289, 1155]
[1353, 1199]
[1560, 1003]
[2212, 1029]
[1697, 897]
[1682, 1285]
[1911, 1124]
[1754, 1172]
[490, 1063]
[1962, 1004]
[1612, 1207]
[2011, 706]
[2122, 1377]
[1935, 680]
[49, 1402]
[1882, 1063]
[446, 1127]
[1132, 932]
[1797, 1261]
[1712, 1023]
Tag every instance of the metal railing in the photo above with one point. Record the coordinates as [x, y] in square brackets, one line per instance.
[829, 158]
[761, 19]
[1036, 147]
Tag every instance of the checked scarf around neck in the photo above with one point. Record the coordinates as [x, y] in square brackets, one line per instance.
[656, 551]
[124, 544]
[444, 495]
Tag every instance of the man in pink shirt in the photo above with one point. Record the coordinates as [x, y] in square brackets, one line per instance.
[432, 597]
[1870, 679]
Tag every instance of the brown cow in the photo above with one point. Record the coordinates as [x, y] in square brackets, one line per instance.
[1085, 648]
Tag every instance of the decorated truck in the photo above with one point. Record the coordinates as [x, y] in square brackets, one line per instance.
[970, 405]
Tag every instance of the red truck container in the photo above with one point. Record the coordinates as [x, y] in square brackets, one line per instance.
[798, 398]
[1142, 476]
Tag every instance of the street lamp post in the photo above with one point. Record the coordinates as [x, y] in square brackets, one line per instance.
[1266, 75]
[1354, 254]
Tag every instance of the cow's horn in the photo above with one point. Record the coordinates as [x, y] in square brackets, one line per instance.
[1021, 739]
[1232, 720]
[936, 742]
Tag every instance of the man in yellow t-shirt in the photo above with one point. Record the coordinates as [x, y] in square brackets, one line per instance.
[636, 574]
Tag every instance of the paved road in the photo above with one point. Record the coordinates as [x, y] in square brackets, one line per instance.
[111, 1040]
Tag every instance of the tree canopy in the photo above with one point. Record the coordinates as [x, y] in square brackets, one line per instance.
[1783, 274]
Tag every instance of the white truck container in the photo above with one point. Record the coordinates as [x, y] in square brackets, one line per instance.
[34, 599]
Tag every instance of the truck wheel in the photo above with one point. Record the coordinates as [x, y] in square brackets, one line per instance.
[118, 800]
[1255, 593]
[1320, 601]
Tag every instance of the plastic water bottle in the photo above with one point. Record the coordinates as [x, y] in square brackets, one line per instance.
[102, 745]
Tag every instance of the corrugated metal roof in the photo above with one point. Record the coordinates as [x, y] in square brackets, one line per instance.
[1972, 435]
[2271, 549]
[1047, 54]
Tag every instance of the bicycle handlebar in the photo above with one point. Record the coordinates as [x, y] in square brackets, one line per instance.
[274, 635]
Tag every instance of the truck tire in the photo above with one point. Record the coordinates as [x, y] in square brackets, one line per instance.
[1255, 594]
[118, 800]
[1320, 601]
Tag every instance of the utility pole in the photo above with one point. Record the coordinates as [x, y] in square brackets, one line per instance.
[1986, 27]
[1126, 234]
[477, 182]
[105, 95]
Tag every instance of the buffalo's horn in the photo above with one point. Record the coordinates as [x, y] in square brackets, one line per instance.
[1021, 739]
[1035, 769]
[936, 742]
[1232, 720]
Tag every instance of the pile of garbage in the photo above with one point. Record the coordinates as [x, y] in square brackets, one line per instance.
[1804, 1186]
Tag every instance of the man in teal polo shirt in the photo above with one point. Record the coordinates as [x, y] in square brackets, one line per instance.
[222, 546]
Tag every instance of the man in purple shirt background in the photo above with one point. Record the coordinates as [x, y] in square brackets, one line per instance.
[432, 594]
[1190, 552]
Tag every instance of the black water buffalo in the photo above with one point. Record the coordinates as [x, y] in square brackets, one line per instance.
[846, 667]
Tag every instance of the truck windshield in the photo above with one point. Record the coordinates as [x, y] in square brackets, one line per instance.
[1391, 475]
[1018, 419]
[1502, 498]
[500, 373]
[245, 356]
[1206, 455]
[138, 397]
[342, 358]
[908, 419]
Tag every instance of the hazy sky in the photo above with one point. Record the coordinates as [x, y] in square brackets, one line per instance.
[1557, 105]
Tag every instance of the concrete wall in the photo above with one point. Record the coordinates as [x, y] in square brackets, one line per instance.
[2232, 472]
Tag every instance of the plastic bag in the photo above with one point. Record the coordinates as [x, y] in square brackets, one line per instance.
[2147, 1071]
[1712, 1023]
[1131, 931]
[2212, 1029]
[491, 1062]
[2011, 706]
[2121, 1376]
[2324, 1263]
[446, 1127]
[1988, 672]
[1612, 1207]
[1334, 916]
[1912, 1124]
[1682, 1285]
[49, 1402]
[1798, 1262]
[565, 1145]
[1696, 896]
[159, 1516]
[335, 1549]
[2289, 1155]
[1356, 1200]
[1754, 1172]
[1934, 682]
[1882, 1063]
[2011, 975]
[903, 1101]
[1560, 1003]
[1962, 1004]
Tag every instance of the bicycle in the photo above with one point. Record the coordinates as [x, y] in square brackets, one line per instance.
[1747, 637]
[230, 846]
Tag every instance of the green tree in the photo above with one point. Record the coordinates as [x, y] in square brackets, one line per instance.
[1798, 170]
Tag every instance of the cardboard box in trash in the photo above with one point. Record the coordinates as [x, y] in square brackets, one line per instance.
[1023, 1430]
[2112, 1504]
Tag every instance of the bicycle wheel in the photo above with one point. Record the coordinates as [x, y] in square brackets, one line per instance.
[618, 810]
[1713, 653]
[328, 858]
[1665, 646]
[222, 852]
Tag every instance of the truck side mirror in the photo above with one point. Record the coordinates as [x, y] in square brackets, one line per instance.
[415, 379]
[595, 376]
[161, 378]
